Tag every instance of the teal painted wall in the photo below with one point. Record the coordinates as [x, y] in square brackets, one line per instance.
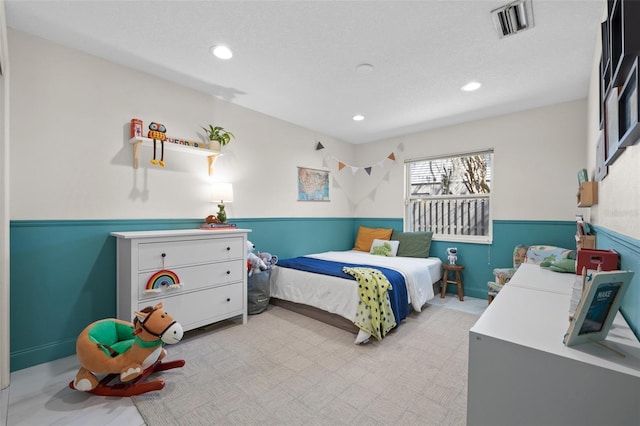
[290, 237]
[63, 273]
[629, 251]
[63, 277]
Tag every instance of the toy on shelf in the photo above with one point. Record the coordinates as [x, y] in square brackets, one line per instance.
[157, 132]
[136, 127]
[130, 351]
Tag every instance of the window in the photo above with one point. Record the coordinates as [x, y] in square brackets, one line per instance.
[450, 196]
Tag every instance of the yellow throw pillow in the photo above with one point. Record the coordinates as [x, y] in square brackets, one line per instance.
[367, 235]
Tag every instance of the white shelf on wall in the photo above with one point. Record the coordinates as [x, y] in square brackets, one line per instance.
[192, 148]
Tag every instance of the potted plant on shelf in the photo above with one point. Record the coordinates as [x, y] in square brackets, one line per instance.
[218, 134]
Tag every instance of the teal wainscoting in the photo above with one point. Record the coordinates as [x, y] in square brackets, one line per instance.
[291, 237]
[479, 260]
[63, 272]
[63, 277]
[629, 251]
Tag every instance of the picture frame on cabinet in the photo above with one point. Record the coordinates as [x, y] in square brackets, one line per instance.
[602, 169]
[613, 149]
[599, 304]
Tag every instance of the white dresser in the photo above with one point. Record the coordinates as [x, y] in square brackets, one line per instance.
[521, 373]
[199, 275]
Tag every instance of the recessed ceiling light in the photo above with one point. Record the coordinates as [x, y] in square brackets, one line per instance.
[222, 52]
[358, 117]
[471, 86]
[364, 68]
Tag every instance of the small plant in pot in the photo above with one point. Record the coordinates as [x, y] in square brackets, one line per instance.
[218, 134]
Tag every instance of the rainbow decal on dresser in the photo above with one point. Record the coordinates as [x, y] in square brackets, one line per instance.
[163, 278]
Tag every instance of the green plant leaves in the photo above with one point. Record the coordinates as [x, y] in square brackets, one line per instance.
[218, 134]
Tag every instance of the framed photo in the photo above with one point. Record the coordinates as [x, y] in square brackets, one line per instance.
[628, 110]
[313, 184]
[598, 307]
[613, 149]
[601, 168]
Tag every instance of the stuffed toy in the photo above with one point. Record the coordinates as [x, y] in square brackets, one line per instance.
[566, 265]
[254, 263]
[113, 346]
[158, 132]
[383, 250]
[269, 259]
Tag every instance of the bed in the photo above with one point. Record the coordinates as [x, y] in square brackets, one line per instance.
[312, 293]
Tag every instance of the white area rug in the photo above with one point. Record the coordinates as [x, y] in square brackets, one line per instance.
[283, 368]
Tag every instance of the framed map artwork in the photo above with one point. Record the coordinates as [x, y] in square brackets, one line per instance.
[313, 184]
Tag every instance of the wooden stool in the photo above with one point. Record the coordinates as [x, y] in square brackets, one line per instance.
[447, 268]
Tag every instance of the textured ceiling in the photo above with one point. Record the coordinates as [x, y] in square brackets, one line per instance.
[296, 60]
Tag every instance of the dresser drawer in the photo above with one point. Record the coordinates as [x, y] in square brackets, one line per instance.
[204, 307]
[153, 284]
[188, 252]
[211, 267]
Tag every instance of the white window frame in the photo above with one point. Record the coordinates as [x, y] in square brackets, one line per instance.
[409, 198]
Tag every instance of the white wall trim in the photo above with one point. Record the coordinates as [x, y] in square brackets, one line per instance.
[4, 205]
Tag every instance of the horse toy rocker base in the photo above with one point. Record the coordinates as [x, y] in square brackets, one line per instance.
[130, 351]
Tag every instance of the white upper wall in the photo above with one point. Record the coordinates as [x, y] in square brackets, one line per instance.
[71, 159]
[537, 155]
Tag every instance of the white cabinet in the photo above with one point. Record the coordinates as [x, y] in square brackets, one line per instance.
[520, 372]
[199, 275]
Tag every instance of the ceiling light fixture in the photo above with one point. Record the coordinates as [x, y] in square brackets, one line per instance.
[471, 86]
[364, 68]
[222, 52]
[358, 117]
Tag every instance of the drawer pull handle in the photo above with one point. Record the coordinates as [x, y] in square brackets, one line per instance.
[164, 254]
[228, 299]
[228, 248]
[228, 272]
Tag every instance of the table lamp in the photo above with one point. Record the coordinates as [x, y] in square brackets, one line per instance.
[221, 193]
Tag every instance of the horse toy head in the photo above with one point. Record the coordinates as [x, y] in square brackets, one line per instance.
[153, 322]
[113, 346]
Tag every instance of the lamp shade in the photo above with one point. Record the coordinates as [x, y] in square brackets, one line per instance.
[221, 192]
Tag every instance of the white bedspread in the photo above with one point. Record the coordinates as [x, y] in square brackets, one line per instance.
[340, 296]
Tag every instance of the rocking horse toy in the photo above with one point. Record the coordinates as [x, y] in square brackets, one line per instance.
[131, 351]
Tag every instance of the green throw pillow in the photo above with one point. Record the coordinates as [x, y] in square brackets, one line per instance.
[413, 244]
[383, 250]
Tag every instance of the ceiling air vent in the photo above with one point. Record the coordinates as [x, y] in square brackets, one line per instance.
[513, 18]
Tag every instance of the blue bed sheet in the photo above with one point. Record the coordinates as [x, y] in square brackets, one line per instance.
[398, 295]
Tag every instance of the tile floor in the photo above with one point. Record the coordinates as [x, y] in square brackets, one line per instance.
[40, 395]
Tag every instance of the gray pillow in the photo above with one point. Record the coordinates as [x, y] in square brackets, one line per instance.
[413, 244]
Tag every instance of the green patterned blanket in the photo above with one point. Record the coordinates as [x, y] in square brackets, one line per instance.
[374, 314]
